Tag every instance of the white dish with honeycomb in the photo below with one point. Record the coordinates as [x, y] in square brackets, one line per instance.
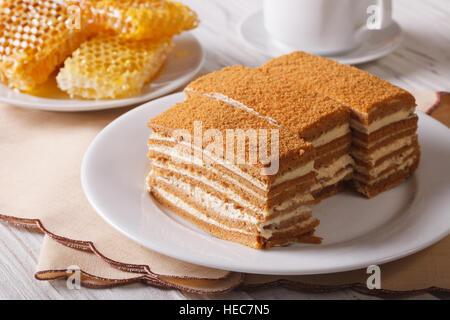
[182, 64]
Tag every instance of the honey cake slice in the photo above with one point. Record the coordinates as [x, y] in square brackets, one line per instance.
[249, 176]
[314, 117]
[370, 98]
[383, 115]
[217, 201]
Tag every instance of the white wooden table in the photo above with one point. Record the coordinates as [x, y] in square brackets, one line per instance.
[423, 62]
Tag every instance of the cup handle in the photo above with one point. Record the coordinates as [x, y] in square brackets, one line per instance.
[380, 15]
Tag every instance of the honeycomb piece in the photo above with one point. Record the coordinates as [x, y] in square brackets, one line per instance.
[36, 36]
[110, 67]
[140, 19]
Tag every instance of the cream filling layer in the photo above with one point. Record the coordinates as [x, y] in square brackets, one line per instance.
[214, 185]
[295, 173]
[335, 179]
[186, 158]
[224, 209]
[374, 143]
[321, 155]
[395, 161]
[234, 196]
[176, 153]
[329, 171]
[382, 122]
[297, 199]
[213, 170]
[267, 233]
[331, 135]
[374, 156]
[303, 210]
[177, 202]
[386, 175]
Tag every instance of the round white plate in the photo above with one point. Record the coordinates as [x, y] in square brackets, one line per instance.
[181, 66]
[374, 44]
[357, 232]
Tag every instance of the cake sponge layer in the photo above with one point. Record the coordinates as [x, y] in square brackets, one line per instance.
[211, 214]
[391, 181]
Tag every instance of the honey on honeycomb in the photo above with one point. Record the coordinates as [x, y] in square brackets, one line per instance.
[109, 67]
[140, 19]
[36, 36]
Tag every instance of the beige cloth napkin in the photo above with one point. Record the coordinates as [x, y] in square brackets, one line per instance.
[40, 187]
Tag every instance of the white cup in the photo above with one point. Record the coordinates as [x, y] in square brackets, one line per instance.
[323, 26]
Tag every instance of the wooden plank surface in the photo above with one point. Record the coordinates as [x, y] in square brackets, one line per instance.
[422, 62]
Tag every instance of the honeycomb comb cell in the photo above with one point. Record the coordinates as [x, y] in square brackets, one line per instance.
[139, 19]
[110, 67]
[36, 36]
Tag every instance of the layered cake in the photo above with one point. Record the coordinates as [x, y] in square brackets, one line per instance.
[312, 116]
[196, 172]
[334, 124]
[383, 120]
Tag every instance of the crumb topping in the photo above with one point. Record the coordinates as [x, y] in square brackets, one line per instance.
[220, 116]
[354, 87]
[289, 103]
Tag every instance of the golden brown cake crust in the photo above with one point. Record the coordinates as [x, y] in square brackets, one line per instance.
[289, 103]
[355, 88]
[221, 117]
[218, 115]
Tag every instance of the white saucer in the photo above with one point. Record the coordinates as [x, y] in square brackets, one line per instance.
[181, 66]
[357, 232]
[374, 44]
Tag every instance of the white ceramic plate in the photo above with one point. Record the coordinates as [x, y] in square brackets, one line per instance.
[181, 66]
[374, 44]
[357, 232]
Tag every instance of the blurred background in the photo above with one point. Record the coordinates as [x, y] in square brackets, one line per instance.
[422, 62]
